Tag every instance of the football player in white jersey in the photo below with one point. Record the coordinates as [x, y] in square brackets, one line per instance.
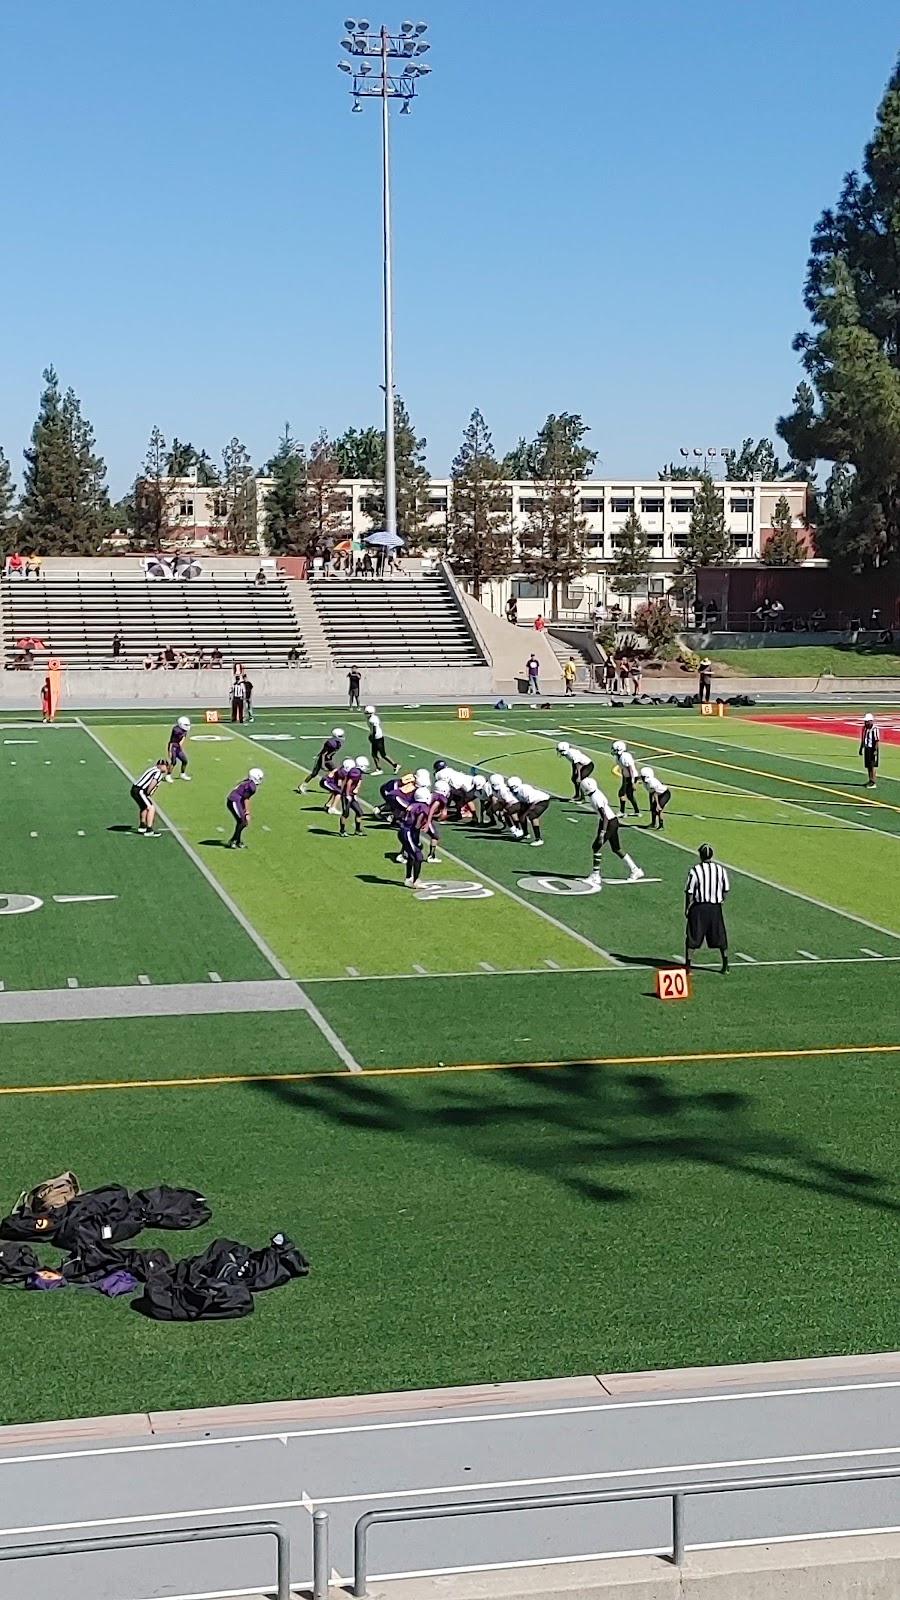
[532, 805]
[376, 743]
[582, 766]
[628, 769]
[506, 804]
[660, 795]
[607, 833]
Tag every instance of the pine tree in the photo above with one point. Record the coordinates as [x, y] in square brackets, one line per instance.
[65, 505]
[360, 453]
[151, 505]
[9, 522]
[552, 541]
[784, 547]
[324, 513]
[677, 472]
[708, 539]
[480, 522]
[632, 562]
[230, 506]
[180, 459]
[852, 356]
[752, 461]
[285, 525]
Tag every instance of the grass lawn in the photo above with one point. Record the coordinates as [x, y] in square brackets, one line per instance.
[809, 660]
[540, 1169]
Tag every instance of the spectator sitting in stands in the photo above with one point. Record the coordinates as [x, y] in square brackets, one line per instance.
[15, 566]
[817, 619]
[169, 656]
[215, 657]
[260, 578]
[33, 566]
[183, 660]
[148, 662]
[160, 661]
[776, 613]
[293, 659]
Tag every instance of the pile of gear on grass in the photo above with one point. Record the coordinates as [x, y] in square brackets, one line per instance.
[90, 1227]
[685, 701]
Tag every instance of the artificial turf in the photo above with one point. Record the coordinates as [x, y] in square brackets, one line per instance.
[466, 1225]
[809, 661]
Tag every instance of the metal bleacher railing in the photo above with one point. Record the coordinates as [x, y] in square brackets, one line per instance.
[143, 1541]
[677, 1493]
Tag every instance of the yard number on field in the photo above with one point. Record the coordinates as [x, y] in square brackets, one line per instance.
[212, 716]
[464, 713]
[673, 983]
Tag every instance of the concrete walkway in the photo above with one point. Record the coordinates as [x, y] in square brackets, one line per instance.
[150, 1000]
[71, 1480]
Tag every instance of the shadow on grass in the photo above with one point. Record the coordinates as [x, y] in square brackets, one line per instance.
[584, 1127]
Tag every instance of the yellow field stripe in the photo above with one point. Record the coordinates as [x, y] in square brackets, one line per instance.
[461, 1066]
[732, 766]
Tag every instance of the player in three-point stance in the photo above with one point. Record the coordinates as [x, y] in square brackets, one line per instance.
[325, 759]
[628, 769]
[177, 754]
[376, 743]
[532, 803]
[582, 766]
[350, 784]
[238, 806]
[142, 791]
[660, 795]
[607, 833]
[869, 741]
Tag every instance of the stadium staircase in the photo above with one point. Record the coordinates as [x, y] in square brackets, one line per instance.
[411, 619]
[75, 614]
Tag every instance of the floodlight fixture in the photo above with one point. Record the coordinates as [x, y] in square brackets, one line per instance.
[364, 68]
[357, 105]
[363, 26]
[407, 27]
[405, 109]
[344, 66]
[348, 45]
[421, 48]
[349, 25]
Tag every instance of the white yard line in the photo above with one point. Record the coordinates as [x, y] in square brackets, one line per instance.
[501, 888]
[325, 1028]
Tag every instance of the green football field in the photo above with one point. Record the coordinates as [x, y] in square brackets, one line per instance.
[503, 1155]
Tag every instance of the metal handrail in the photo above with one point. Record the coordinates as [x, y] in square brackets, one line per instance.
[590, 1497]
[140, 1541]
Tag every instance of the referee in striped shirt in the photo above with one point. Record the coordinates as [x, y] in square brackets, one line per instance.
[142, 791]
[704, 894]
[869, 741]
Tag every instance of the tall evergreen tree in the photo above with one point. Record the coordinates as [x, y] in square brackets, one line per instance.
[552, 541]
[360, 453]
[479, 525]
[286, 532]
[520, 464]
[852, 354]
[753, 460]
[230, 503]
[323, 509]
[677, 472]
[632, 559]
[784, 547]
[708, 542]
[65, 505]
[9, 522]
[151, 513]
[181, 458]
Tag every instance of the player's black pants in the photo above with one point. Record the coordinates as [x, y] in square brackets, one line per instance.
[607, 833]
[240, 822]
[579, 774]
[626, 795]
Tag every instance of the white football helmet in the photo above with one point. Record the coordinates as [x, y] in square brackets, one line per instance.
[184, 722]
[619, 747]
[369, 710]
[589, 785]
[514, 783]
[497, 781]
[256, 774]
[423, 778]
[337, 733]
[363, 763]
[423, 796]
[347, 764]
[563, 748]
[647, 773]
[442, 788]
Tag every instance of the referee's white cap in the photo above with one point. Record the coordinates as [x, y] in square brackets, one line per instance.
[868, 717]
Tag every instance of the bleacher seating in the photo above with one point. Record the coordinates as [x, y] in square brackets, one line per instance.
[413, 619]
[75, 614]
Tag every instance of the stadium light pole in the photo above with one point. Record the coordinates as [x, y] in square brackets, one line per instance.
[387, 83]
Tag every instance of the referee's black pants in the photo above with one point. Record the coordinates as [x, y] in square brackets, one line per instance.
[705, 691]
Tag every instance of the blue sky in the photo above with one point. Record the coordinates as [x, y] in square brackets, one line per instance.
[606, 212]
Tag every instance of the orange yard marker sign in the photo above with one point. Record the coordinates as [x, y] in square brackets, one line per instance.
[212, 716]
[673, 983]
[464, 713]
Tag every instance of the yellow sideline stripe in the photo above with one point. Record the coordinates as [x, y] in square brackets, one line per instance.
[731, 766]
[462, 1066]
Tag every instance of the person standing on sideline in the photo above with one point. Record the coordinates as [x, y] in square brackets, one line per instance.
[238, 696]
[609, 675]
[868, 748]
[532, 668]
[46, 701]
[512, 611]
[637, 675]
[570, 673]
[539, 624]
[705, 689]
[248, 695]
[353, 681]
[704, 895]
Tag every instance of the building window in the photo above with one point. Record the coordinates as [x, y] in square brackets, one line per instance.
[657, 586]
[654, 507]
[590, 508]
[621, 505]
[594, 541]
[220, 507]
[655, 541]
[524, 589]
[437, 502]
[741, 541]
[186, 508]
[529, 505]
[682, 507]
[680, 540]
[742, 504]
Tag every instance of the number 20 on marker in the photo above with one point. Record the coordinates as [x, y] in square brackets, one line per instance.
[673, 983]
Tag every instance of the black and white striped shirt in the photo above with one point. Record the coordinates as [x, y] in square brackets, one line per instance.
[707, 883]
[149, 781]
[870, 737]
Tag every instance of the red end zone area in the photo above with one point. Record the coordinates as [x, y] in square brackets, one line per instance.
[848, 726]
